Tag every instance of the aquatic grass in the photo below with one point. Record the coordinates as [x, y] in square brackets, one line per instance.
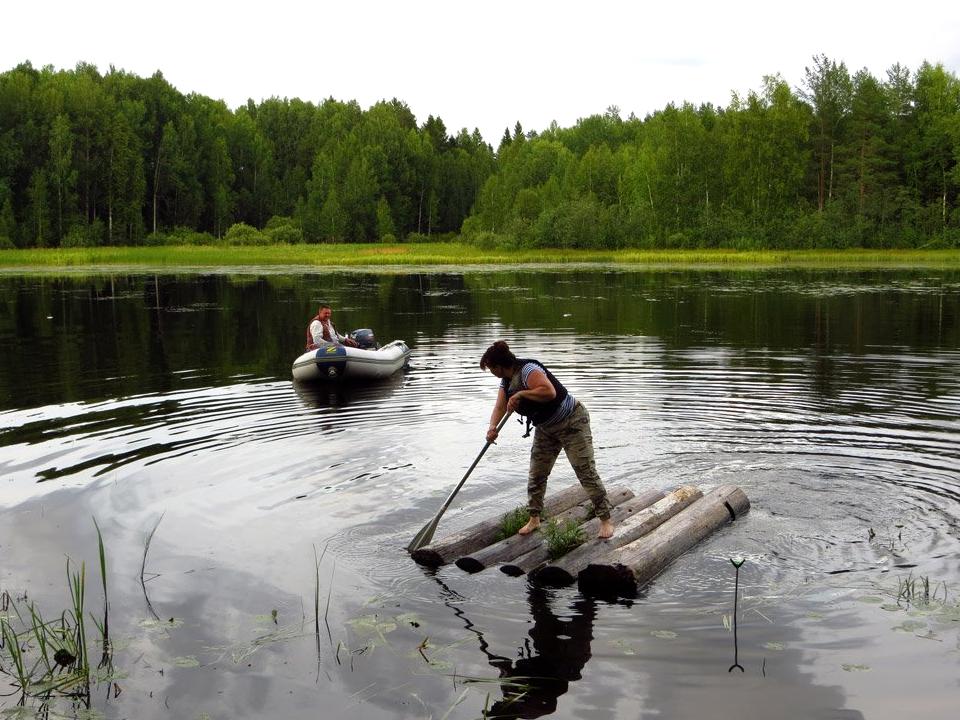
[453, 253]
[143, 566]
[512, 521]
[562, 537]
[45, 656]
[104, 626]
[316, 595]
[78, 633]
[14, 655]
[916, 590]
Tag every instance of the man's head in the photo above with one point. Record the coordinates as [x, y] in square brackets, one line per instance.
[498, 359]
[324, 313]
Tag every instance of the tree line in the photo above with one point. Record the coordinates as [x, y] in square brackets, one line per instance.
[115, 159]
[841, 160]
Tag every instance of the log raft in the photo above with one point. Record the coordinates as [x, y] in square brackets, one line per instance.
[624, 570]
[485, 532]
[652, 529]
[564, 570]
[540, 553]
[517, 545]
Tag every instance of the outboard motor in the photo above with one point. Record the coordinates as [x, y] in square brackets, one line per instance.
[365, 339]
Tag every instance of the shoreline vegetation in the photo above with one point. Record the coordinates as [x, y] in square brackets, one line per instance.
[837, 159]
[452, 253]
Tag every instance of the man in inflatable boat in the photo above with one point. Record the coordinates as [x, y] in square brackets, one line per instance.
[321, 331]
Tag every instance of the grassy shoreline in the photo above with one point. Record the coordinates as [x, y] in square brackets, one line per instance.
[436, 254]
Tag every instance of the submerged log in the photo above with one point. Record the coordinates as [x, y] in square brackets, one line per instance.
[624, 570]
[483, 533]
[540, 553]
[517, 545]
[564, 570]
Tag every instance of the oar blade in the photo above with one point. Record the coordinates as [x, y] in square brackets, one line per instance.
[424, 536]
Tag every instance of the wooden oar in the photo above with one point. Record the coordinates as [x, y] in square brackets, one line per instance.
[426, 533]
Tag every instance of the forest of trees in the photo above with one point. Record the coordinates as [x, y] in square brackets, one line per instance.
[841, 160]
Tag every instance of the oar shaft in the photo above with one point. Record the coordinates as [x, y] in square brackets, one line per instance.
[426, 533]
[486, 447]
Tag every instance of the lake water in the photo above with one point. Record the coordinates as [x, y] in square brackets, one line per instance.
[831, 397]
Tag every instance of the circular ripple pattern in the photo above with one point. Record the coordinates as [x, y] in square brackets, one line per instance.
[851, 459]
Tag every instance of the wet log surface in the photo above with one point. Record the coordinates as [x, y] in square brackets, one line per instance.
[517, 545]
[540, 553]
[564, 570]
[484, 533]
[623, 571]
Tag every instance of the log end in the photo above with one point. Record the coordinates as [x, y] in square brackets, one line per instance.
[737, 502]
[552, 576]
[511, 570]
[469, 564]
[613, 580]
[428, 557]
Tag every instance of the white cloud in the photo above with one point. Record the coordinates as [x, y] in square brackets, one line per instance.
[485, 64]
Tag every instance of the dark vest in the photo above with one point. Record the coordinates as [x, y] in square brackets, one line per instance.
[538, 412]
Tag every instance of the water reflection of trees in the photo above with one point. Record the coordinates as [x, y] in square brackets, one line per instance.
[67, 334]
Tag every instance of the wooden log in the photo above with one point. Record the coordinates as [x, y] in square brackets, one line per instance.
[483, 533]
[517, 545]
[541, 552]
[623, 571]
[563, 571]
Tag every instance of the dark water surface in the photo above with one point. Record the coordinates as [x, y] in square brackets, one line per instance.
[831, 398]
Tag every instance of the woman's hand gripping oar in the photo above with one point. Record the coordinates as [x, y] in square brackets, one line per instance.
[426, 533]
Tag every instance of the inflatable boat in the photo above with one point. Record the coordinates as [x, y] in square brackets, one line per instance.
[339, 362]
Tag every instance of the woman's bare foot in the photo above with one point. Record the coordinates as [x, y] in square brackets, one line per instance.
[606, 529]
[532, 524]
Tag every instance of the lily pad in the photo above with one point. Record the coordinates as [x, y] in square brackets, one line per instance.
[664, 634]
[151, 624]
[373, 629]
[855, 668]
[911, 626]
[186, 661]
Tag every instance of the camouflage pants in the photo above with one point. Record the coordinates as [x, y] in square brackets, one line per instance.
[573, 436]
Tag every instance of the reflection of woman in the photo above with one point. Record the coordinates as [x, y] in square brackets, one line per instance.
[561, 649]
[561, 422]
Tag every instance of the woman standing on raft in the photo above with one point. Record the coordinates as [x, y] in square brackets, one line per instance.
[560, 420]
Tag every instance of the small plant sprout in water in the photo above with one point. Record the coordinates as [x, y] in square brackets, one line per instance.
[737, 561]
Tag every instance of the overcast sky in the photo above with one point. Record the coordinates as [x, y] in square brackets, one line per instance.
[479, 64]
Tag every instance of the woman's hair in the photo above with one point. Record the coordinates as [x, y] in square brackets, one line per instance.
[498, 355]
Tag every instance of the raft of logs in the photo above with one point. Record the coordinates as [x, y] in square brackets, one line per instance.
[652, 529]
